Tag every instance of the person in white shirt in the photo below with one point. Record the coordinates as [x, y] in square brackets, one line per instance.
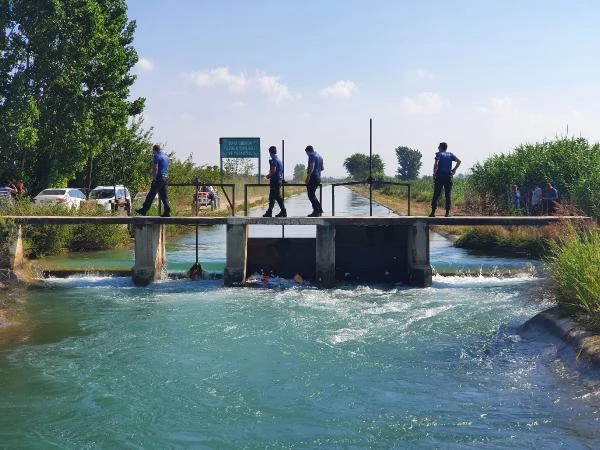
[536, 199]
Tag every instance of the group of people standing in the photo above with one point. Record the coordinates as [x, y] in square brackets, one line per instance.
[446, 163]
[17, 189]
[539, 201]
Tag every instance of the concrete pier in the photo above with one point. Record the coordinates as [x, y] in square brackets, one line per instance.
[325, 256]
[419, 266]
[237, 253]
[15, 251]
[149, 253]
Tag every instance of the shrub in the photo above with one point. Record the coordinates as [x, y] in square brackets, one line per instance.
[570, 164]
[513, 241]
[575, 271]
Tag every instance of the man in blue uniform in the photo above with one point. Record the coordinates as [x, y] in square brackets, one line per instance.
[275, 177]
[549, 199]
[160, 171]
[313, 179]
[442, 177]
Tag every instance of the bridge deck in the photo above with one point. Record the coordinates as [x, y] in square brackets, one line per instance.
[364, 221]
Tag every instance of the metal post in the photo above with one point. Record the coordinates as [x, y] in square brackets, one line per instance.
[321, 195]
[196, 204]
[333, 199]
[370, 167]
[246, 200]
[409, 199]
[233, 199]
[283, 184]
[221, 159]
[259, 180]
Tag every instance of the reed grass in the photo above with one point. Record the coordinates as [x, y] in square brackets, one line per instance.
[574, 268]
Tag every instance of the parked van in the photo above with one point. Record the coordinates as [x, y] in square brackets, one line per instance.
[112, 197]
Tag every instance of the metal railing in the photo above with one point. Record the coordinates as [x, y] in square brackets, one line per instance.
[284, 185]
[370, 183]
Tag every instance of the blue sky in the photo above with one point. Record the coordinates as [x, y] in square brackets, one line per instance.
[484, 76]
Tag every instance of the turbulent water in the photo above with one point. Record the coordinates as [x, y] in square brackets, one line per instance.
[100, 363]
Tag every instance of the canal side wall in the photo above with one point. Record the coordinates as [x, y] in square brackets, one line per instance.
[389, 253]
[12, 259]
[282, 257]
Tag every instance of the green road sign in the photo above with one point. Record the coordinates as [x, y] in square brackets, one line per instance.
[240, 147]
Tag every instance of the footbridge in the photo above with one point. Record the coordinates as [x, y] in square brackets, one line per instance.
[362, 249]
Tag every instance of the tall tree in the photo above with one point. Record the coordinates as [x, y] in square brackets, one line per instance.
[64, 86]
[409, 163]
[357, 166]
[299, 173]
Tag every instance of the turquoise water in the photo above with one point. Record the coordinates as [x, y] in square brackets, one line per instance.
[99, 363]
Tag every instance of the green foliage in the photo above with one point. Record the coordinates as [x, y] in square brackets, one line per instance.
[575, 271]
[506, 242]
[409, 163]
[421, 190]
[299, 173]
[87, 237]
[128, 160]
[7, 230]
[570, 164]
[43, 240]
[357, 166]
[64, 90]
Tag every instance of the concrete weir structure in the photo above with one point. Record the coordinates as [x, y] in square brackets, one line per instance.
[360, 249]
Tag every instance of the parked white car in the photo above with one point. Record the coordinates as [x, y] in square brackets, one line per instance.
[107, 196]
[68, 197]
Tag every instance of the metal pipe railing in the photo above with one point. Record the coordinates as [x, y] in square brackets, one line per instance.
[246, 186]
[370, 183]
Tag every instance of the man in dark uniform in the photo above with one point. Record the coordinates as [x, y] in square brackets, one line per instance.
[313, 179]
[275, 177]
[160, 172]
[442, 177]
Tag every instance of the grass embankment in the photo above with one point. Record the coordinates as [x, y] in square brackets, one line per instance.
[574, 269]
[43, 240]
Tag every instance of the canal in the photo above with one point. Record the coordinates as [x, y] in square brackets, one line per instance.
[96, 362]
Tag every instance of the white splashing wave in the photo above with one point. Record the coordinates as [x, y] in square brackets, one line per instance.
[440, 281]
[347, 334]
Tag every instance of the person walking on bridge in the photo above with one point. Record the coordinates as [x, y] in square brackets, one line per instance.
[313, 179]
[160, 172]
[275, 177]
[442, 177]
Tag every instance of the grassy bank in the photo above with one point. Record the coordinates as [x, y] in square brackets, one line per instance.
[44, 240]
[520, 242]
[574, 268]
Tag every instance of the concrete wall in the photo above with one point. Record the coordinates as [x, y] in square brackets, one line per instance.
[372, 253]
[282, 257]
[391, 254]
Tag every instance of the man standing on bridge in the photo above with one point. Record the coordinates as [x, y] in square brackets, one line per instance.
[442, 177]
[275, 177]
[313, 179]
[160, 172]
